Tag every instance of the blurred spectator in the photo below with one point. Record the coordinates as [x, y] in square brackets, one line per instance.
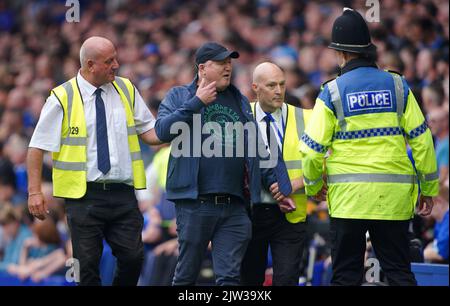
[437, 250]
[432, 97]
[307, 95]
[438, 121]
[15, 149]
[7, 181]
[11, 123]
[16, 234]
[44, 241]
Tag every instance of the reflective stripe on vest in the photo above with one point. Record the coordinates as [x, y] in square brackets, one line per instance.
[124, 88]
[294, 164]
[131, 130]
[313, 145]
[418, 130]
[388, 131]
[295, 126]
[428, 177]
[71, 141]
[69, 90]
[73, 166]
[74, 141]
[136, 155]
[300, 121]
[311, 182]
[127, 93]
[399, 96]
[337, 103]
[371, 178]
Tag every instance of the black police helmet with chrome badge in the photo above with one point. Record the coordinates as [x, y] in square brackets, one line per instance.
[351, 33]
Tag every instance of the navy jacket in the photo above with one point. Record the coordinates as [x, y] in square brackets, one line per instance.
[179, 105]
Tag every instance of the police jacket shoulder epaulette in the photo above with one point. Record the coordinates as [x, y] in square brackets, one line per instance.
[393, 71]
[324, 83]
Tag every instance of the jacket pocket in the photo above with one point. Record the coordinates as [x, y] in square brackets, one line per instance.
[180, 173]
[171, 168]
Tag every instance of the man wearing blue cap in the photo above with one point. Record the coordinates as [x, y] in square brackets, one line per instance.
[211, 193]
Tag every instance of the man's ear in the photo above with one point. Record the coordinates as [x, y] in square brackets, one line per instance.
[341, 58]
[255, 87]
[201, 68]
[90, 65]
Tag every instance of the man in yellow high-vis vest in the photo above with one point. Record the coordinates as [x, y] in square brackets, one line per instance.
[277, 224]
[366, 116]
[91, 125]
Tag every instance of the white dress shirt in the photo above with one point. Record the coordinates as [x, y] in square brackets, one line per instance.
[47, 135]
[278, 126]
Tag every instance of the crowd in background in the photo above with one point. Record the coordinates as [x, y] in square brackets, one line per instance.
[156, 41]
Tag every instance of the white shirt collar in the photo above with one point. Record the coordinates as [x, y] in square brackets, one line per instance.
[86, 88]
[260, 114]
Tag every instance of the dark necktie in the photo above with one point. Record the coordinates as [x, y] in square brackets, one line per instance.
[284, 183]
[103, 163]
[268, 118]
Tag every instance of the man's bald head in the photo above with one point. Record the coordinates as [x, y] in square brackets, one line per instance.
[93, 47]
[98, 58]
[265, 70]
[269, 84]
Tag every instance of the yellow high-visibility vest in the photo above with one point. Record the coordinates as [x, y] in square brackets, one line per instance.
[69, 164]
[296, 120]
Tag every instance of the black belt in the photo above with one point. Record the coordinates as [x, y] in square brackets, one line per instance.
[109, 186]
[219, 198]
[265, 206]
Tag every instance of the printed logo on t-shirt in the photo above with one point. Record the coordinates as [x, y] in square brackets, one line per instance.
[225, 117]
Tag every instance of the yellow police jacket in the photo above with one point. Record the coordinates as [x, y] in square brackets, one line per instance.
[366, 118]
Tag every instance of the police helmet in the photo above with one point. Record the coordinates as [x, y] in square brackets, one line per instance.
[351, 33]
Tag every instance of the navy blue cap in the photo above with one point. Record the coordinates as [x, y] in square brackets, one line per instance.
[214, 52]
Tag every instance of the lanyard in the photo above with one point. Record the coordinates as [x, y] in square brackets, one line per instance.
[280, 136]
[283, 127]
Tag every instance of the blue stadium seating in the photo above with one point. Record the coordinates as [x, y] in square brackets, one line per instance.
[430, 274]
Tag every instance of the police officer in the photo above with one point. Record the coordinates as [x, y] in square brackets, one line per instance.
[364, 117]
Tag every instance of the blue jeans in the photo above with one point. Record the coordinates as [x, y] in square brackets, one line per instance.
[229, 229]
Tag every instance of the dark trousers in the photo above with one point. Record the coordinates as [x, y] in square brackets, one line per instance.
[390, 243]
[112, 215]
[286, 240]
[226, 226]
